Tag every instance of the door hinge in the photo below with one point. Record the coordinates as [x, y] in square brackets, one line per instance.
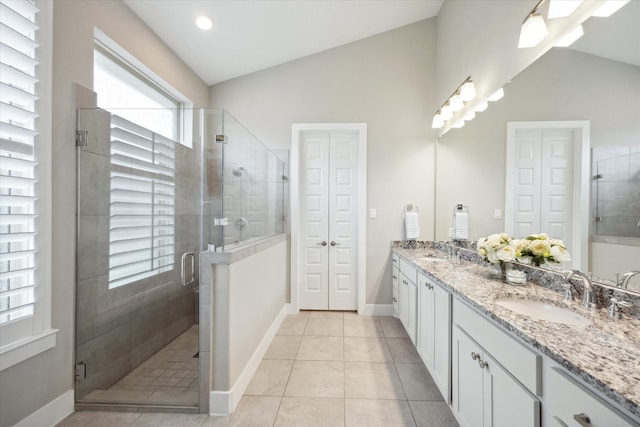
[221, 139]
[598, 176]
[598, 219]
[285, 178]
[81, 371]
[82, 138]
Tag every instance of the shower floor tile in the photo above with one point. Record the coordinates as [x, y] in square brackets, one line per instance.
[169, 377]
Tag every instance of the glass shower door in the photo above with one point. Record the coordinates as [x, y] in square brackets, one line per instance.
[138, 212]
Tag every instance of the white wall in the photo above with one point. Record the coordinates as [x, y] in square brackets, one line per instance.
[561, 85]
[387, 81]
[30, 385]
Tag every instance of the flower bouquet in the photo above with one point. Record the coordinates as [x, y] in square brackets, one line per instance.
[497, 249]
[539, 249]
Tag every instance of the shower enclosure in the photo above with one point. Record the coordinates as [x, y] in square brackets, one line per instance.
[147, 203]
[616, 191]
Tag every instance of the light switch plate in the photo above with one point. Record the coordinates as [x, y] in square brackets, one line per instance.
[373, 213]
[497, 213]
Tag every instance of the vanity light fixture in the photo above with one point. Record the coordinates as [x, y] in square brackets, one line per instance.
[609, 8]
[204, 23]
[572, 36]
[463, 93]
[497, 95]
[562, 8]
[533, 29]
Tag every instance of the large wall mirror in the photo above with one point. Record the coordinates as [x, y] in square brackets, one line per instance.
[594, 82]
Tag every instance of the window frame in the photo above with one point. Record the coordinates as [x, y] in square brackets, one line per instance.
[39, 336]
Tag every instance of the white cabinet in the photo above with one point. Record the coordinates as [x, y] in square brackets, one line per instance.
[395, 280]
[408, 299]
[568, 403]
[484, 393]
[434, 332]
[495, 380]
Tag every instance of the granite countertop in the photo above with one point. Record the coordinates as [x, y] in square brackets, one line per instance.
[605, 354]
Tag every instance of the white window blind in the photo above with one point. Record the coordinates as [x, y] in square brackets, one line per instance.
[18, 201]
[142, 205]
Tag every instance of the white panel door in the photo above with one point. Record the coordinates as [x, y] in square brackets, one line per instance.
[314, 222]
[328, 184]
[556, 188]
[527, 183]
[343, 163]
[543, 186]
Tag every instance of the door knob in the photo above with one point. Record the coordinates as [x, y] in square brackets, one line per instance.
[324, 243]
[333, 243]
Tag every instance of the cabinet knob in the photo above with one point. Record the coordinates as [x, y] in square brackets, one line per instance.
[483, 364]
[323, 243]
[394, 277]
[582, 419]
[475, 356]
[394, 300]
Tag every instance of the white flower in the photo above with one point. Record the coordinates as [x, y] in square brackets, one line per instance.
[540, 247]
[560, 254]
[506, 253]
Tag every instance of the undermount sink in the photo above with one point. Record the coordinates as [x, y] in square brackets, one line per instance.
[540, 310]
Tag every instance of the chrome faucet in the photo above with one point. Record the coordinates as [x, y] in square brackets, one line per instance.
[588, 297]
[626, 277]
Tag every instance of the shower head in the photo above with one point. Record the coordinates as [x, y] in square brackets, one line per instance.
[237, 171]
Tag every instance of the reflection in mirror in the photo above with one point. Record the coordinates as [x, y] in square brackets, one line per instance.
[616, 191]
[563, 85]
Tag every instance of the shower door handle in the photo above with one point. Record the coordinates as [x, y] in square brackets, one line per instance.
[183, 277]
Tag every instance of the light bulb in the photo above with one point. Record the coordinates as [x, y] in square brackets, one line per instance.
[482, 106]
[562, 8]
[437, 122]
[609, 8]
[445, 113]
[455, 103]
[533, 31]
[467, 91]
[204, 23]
[496, 95]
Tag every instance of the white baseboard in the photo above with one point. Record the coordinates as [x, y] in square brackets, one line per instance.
[225, 402]
[51, 413]
[377, 310]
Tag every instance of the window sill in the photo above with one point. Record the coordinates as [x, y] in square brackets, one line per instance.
[19, 351]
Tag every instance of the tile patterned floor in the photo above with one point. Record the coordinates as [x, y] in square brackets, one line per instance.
[168, 377]
[322, 369]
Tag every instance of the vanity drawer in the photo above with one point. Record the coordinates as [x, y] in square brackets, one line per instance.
[395, 260]
[521, 362]
[409, 270]
[568, 399]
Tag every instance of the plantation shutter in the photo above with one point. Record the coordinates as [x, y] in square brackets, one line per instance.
[18, 201]
[142, 203]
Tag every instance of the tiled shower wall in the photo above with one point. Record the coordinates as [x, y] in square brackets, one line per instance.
[616, 191]
[118, 329]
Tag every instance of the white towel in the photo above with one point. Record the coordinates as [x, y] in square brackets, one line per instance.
[461, 225]
[412, 225]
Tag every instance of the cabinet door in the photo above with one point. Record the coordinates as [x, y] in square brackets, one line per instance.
[440, 367]
[467, 404]
[403, 300]
[507, 402]
[425, 322]
[412, 315]
[395, 274]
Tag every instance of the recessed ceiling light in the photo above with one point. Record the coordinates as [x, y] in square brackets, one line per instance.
[204, 23]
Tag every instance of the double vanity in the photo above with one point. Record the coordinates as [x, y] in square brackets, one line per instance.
[515, 355]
